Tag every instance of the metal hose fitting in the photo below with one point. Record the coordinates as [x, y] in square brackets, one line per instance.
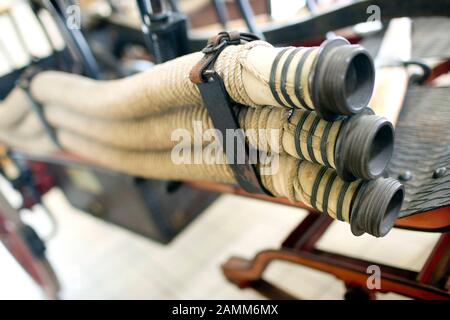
[343, 79]
[334, 79]
[369, 206]
[358, 147]
[364, 146]
[376, 207]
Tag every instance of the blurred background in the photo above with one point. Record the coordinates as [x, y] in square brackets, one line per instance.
[96, 258]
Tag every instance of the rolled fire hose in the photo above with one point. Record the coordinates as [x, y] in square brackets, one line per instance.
[377, 206]
[13, 109]
[333, 79]
[357, 147]
[322, 188]
[369, 206]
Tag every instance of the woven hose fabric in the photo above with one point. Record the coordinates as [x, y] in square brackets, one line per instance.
[301, 134]
[142, 147]
[128, 124]
[251, 73]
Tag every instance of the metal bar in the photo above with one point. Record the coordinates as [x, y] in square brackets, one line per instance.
[157, 7]
[394, 279]
[309, 237]
[312, 6]
[296, 234]
[75, 40]
[7, 211]
[437, 265]
[146, 12]
[349, 270]
[344, 16]
[173, 5]
[437, 220]
[62, 58]
[249, 18]
[221, 11]
[316, 27]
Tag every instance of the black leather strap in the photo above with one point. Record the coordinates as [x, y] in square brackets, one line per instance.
[221, 110]
[24, 83]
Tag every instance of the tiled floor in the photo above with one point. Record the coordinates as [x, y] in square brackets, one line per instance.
[95, 260]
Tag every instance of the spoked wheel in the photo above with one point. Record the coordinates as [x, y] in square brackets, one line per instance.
[29, 251]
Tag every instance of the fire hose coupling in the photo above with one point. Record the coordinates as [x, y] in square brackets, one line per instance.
[364, 146]
[368, 206]
[334, 79]
[343, 79]
[376, 207]
[358, 147]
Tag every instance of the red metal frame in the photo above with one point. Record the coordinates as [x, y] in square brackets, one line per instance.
[37, 268]
[432, 282]
[437, 263]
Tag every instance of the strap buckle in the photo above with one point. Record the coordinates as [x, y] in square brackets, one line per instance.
[221, 108]
[202, 70]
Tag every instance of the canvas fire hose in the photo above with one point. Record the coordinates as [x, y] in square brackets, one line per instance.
[332, 150]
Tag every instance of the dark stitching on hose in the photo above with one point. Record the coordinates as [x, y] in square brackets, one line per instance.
[273, 73]
[340, 202]
[337, 137]
[298, 129]
[362, 186]
[297, 81]
[323, 143]
[315, 187]
[327, 191]
[284, 72]
[309, 142]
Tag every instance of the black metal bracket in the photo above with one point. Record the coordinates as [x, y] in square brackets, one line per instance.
[24, 83]
[76, 42]
[426, 71]
[165, 30]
